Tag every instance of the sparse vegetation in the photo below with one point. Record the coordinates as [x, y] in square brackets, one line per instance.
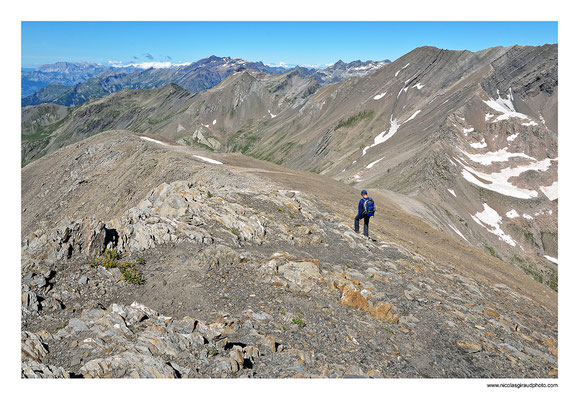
[554, 281]
[353, 120]
[129, 270]
[108, 261]
[492, 252]
[248, 144]
[536, 276]
[299, 322]
[390, 330]
[61, 326]
[131, 274]
[529, 237]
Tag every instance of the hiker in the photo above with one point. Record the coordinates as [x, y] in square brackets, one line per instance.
[366, 210]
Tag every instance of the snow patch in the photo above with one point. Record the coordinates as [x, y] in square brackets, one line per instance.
[153, 140]
[490, 157]
[552, 259]
[373, 163]
[527, 216]
[479, 145]
[383, 136]
[491, 218]
[397, 72]
[457, 231]
[452, 192]
[418, 86]
[512, 137]
[214, 121]
[209, 160]
[552, 192]
[401, 90]
[488, 116]
[412, 117]
[499, 181]
[379, 96]
[532, 123]
[467, 130]
[513, 214]
[505, 107]
[271, 115]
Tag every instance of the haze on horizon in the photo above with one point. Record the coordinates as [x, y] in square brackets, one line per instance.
[313, 44]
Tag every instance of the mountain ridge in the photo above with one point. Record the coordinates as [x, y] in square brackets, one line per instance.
[195, 76]
[432, 126]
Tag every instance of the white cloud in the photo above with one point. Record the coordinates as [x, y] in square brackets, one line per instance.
[147, 64]
[283, 64]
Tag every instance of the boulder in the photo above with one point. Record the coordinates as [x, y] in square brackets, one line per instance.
[127, 365]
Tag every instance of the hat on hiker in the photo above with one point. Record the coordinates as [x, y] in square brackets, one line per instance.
[364, 192]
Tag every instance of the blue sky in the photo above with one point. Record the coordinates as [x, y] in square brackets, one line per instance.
[304, 43]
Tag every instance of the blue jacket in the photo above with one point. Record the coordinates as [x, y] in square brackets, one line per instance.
[361, 208]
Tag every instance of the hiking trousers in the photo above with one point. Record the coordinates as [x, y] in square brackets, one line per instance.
[357, 223]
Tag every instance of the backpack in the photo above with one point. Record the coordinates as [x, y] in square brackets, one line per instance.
[369, 208]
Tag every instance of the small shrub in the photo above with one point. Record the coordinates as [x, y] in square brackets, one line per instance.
[112, 254]
[61, 326]
[108, 261]
[492, 252]
[131, 274]
[213, 351]
[554, 281]
[299, 322]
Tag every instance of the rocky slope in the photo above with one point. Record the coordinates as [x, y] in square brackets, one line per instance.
[252, 270]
